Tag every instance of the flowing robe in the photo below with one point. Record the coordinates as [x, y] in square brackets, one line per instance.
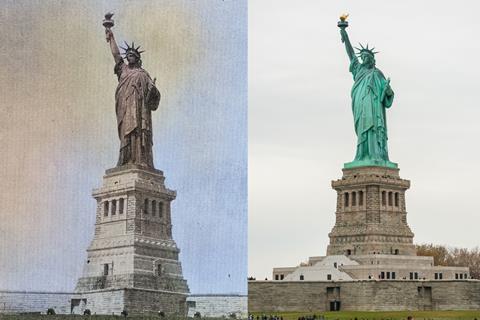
[368, 106]
[136, 96]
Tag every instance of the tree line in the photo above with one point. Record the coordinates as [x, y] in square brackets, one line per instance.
[458, 257]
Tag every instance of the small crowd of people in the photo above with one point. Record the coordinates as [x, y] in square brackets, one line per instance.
[264, 317]
[311, 317]
[307, 317]
[275, 317]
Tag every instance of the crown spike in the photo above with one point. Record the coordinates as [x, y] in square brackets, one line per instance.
[365, 49]
[128, 47]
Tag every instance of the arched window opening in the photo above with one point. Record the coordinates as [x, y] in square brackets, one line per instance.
[346, 199]
[121, 205]
[114, 207]
[360, 198]
[354, 198]
[396, 199]
[154, 207]
[301, 277]
[145, 206]
[105, 208]
[390, 198]
[160, 209]
[384, 198]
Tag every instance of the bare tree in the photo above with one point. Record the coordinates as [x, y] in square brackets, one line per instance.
[459, 257]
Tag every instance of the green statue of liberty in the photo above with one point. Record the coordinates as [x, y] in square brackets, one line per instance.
[371, 96]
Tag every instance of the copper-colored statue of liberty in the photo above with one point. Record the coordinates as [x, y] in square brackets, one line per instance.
[136, 96]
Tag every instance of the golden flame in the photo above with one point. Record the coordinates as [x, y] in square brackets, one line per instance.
[344, 17]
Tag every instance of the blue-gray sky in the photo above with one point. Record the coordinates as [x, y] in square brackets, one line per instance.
[58, 133]
[301, 126]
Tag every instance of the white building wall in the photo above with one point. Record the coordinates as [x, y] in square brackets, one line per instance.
[218, 305]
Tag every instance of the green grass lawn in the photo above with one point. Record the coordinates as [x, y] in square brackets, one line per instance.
[387, 315]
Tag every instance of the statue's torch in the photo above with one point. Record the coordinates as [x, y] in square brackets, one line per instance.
[343, 23]
[108, 22]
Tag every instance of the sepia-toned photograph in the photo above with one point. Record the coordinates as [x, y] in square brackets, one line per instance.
[124, 165]
[239, 159]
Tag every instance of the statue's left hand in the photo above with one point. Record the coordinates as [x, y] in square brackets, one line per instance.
[388, 89]
[153, 97]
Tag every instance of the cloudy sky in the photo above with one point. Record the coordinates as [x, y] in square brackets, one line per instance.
[58, 133]
[301, 126]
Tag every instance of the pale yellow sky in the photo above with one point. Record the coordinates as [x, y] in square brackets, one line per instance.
[57, 88]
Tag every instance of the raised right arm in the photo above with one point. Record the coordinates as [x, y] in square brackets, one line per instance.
[113, 45]
[348, 45]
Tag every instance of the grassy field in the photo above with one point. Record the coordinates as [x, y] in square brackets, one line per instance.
[387, 315]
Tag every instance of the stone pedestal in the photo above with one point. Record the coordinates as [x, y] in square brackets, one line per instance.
[371, 216]
[132, 262]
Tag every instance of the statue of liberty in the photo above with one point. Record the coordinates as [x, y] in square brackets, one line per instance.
[135, 98]
[371, 96]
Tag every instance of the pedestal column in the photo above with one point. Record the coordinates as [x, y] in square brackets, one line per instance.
[371, 216]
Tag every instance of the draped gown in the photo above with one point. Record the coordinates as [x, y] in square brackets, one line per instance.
[368, 106]
[136, 96]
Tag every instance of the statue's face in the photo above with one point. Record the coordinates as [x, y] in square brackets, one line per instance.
[367, 60]
[132, 59]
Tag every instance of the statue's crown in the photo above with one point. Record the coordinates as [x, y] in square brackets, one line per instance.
[365, 49]
[132, 49]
